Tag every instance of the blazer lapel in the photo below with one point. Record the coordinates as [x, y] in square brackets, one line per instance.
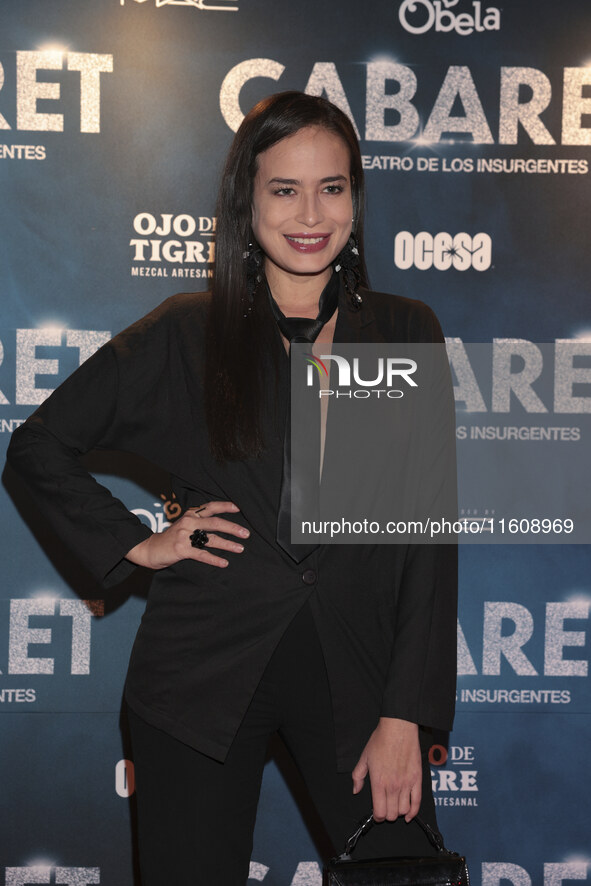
[353, 325]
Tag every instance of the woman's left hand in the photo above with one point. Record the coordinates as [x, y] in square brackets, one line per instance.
[392, 757]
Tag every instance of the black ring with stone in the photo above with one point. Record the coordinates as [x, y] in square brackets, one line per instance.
[199, 538]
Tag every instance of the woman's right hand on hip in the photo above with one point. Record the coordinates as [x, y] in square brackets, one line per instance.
[197, 525]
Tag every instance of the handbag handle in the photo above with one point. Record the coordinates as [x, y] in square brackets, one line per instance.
[434, 838]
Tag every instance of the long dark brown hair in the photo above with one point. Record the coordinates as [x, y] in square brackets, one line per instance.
[238, 337]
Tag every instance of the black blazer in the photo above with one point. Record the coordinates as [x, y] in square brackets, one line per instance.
[385, 614]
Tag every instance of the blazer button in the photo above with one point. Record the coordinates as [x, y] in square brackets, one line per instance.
[309, 577]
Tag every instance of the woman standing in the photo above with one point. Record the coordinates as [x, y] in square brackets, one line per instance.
[343, 649]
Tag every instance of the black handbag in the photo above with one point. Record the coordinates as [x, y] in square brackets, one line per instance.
[444, 869]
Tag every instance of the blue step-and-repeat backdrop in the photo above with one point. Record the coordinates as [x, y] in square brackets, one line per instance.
[475, 124]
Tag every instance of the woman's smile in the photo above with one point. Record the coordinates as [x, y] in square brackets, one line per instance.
[305, 243]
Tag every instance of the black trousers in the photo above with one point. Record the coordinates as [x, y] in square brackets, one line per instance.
[196, 815]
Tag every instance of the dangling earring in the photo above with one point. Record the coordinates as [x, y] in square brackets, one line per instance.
[253, 260]
[348, 261]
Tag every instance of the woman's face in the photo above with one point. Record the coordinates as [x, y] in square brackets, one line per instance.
[302, 204]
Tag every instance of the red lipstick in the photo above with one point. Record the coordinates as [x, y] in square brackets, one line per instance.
[307, 243]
